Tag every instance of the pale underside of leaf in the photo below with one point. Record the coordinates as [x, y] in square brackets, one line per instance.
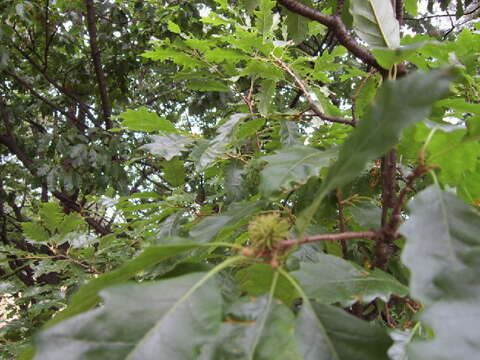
[375, 22]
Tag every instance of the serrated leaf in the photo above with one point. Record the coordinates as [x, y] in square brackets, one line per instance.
[51, 215]
[334, 280]
[264, 17]
[70, 222]
[399, 104]
[291, 167]
[256, 280]
[256, 330]
[297, 25]
[208, 85]
[212, 149]
[234, 182]
[173, 27]
[365, 95]
[208, 228]
[367, 215]
[168, 146]
[262, 69]
[87, 296]
[325, 332]
[265, 95]
[144, 120]
[219, 55]
[289, 134]
[169, 317]
[388, 57]
[249, 128]
[250, 5]
[375, 23]
[441, 251]
[460, 159]
[174, 172]
[35, 232]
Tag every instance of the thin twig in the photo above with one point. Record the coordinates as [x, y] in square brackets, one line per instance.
[313, 105]
[329, 237]
[97, 64]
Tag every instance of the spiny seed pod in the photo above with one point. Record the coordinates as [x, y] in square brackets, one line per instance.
[266, 231]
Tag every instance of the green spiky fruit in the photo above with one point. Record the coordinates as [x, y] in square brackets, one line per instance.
[266, 231]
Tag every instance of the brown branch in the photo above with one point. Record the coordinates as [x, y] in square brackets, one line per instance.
[340, 5]
[397, 209]
[67, 92]
[399, 11]
[337, 26]
[389, 167]
[97, 64]
[384, 247]
[313, 105]
[329, 237]
[10, 142]
[341, 221]
[25, 83]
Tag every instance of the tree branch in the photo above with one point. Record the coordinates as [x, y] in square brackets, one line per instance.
[313, 105]
[338, 27]
[97, 64]
[329, 237]
[80, 126]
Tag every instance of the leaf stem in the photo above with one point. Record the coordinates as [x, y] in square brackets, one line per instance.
[264, 319]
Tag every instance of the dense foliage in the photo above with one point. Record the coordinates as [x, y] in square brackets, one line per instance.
[244, 179]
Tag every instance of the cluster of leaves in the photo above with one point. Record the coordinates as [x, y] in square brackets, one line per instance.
[264, 210]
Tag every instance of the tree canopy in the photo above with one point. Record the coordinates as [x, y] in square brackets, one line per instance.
[239, 179]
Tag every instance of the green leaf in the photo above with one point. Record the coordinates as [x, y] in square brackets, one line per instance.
[399, 104]
[460, 158]
[173, 317]
[144, 120]
[367, 215]
[441, 252]
[291, 167]
[208, 85]
[325, 332]
[388, 57]
[234, 182]
[250, 5]
[256, 280]
[70, 222]
[265, 96]
[257, 68]
[289, 134]
[411, 6]
[35, 232]
[375, 23]
[174, 27]
[87, 297]
[260, 330]
[297, 25]
[208, 228]
[219, 55]
[249, 128]
[216, 147]
[168, 146]
[334, 280]
[174, 172]
[365, 95]
[51, 215]
[264, 17]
